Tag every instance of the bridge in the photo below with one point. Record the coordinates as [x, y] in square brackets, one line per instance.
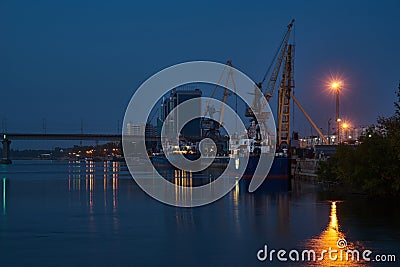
[7, 137]
[38, 136]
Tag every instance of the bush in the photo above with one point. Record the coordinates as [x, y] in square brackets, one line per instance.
[373, 167]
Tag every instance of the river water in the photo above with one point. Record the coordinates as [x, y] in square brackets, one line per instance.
[57, 213]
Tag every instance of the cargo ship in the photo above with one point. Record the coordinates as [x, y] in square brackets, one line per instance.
[277, 179]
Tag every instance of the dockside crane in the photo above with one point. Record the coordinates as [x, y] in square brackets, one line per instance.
[229, 78]
[210, 127]
[283, 57]
[283, 62]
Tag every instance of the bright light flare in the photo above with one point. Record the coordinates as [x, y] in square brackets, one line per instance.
[335, 85]
[345, 125]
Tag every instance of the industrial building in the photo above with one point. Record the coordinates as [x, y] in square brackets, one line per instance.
[192, 129]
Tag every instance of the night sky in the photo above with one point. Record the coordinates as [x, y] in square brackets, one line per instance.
[67, 61]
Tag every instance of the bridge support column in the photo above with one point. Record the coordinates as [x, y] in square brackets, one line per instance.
[6, 152]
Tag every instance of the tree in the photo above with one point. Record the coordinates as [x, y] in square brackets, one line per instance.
[374, 166]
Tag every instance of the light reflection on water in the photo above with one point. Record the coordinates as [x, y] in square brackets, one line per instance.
[98, 210]
[110, 177]
[4, 191]
[328, 240]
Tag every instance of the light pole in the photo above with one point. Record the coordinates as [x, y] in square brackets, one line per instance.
[336, 86]
[338, 128]
[345, 127]
[329, 131]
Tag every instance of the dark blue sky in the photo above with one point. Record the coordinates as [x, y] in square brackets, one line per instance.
[70, 60]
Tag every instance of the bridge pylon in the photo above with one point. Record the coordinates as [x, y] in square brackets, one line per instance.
[6, 151]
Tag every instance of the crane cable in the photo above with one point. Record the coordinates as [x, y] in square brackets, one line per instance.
[273, 59]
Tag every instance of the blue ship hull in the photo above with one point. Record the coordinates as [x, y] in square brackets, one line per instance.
[278, 178]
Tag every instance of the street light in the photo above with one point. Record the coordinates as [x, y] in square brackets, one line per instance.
[336, 86]
[345, 127]
[329, 131]
[338, 121]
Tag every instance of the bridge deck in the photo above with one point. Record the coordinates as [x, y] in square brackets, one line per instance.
[52, 136]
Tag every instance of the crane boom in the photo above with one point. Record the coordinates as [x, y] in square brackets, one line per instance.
[270, 87]
[209, 126]
[226, 91]
[309, 119]
[269, 90]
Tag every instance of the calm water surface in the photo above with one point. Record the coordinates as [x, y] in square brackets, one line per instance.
[93, 214]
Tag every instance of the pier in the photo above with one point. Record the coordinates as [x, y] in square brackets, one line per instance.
[306, 169]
